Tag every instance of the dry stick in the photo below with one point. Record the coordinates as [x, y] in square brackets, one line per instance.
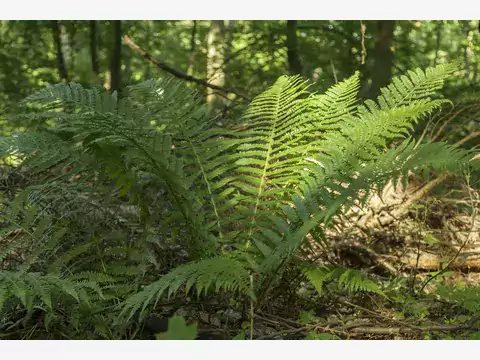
[362, 327]
[399, 330]
[274, 322]
[304, 328]
[161, 65]
[376, 314]
[285, 320]
[363, 29]
[468, 138]
[331, 61]
[444, 125]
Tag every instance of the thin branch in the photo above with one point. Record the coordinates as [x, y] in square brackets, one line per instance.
[363, 29]
[444, 125]
[161, 65]
[468, 138]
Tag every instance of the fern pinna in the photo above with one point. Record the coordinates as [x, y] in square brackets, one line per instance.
[295, 160]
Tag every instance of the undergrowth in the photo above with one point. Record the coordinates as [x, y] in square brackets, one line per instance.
[129, 204]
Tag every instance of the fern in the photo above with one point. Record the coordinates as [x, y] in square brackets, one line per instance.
[205, 275]
[350, 280]
[467, 297]
[152, 169]
[29, 287]
[357, 156]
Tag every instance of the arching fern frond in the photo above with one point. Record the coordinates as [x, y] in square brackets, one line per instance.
[417, 85]
[32, 287]
[205, 275]
[267, 158]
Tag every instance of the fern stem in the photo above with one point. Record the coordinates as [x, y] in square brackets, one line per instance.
[163, 171]
[212, 200]
[267, 159]
[251, 308]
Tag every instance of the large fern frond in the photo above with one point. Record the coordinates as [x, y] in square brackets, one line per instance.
[205, 275]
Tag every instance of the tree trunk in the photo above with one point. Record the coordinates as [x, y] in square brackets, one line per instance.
[215, 59]
[94, 48]
[439, 40]
[116, 57]
[383, 57]
[228, 50]
[147, 41]
[294, 64]
[192, 48]
[72, 44]
[62, 69]
[467, 50]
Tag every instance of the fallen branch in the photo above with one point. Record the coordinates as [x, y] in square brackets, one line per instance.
[161, 65]
[296, 331]
[400, 330]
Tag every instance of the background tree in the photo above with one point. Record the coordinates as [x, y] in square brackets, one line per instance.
[116, 57]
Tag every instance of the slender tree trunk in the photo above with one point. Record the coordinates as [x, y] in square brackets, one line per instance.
[62, 69]
[215, 59]
[148, 37]
[439, 40]
[467, 50]
[228, 49]
[294, 64]
[116, 57]
[191, 59]
[71, 44]
[383, 57]
[94, 48]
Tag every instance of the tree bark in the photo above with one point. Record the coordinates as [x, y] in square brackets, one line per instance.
[116, 57]
[228, 50]
[72, 44]
[94, 48]
[215, 59]
[192, 48]
[294, 64]
[62, 69]
[383, 57]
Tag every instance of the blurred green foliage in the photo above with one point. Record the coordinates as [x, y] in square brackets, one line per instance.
[257, 53]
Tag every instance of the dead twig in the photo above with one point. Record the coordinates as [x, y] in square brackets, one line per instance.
[363, 29]
[400, 330]
[468, 138]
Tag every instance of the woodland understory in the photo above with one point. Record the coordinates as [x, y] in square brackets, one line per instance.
[157, 211]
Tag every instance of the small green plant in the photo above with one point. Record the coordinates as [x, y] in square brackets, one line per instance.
[178, 330]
